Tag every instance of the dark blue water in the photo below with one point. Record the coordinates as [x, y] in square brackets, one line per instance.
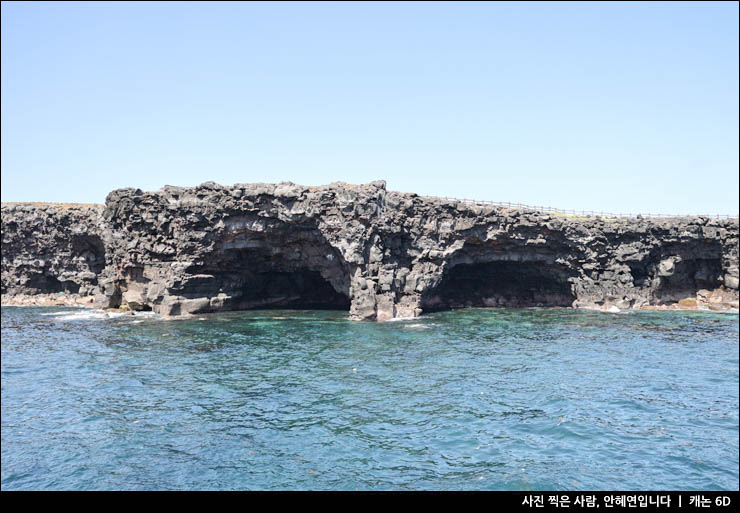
[500, 399]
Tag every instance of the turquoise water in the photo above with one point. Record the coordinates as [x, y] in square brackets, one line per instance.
[501, 399]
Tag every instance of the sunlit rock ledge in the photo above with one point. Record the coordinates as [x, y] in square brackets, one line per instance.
[378, 254]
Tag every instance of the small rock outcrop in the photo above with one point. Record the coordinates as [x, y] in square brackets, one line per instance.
[379, 254]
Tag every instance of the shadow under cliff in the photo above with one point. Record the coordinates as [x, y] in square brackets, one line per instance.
[501, 273]
[262, 263]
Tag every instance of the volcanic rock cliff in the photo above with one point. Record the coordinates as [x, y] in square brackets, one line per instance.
[49, 248]
[379, 254]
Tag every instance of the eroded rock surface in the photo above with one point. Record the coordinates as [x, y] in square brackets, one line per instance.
[379, 254]
[51, 248]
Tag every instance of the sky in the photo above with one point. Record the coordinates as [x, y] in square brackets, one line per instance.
[620, 107]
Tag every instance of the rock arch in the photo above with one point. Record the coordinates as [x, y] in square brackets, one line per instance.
[258, 262]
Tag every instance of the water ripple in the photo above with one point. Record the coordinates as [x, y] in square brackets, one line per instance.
[498, 399]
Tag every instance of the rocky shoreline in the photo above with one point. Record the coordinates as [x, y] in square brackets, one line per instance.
[57, 299]
[378, 254]
[75, 300]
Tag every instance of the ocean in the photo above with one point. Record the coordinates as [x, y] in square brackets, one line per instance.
[471, 399]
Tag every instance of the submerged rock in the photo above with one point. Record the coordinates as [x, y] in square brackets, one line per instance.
[379, 254]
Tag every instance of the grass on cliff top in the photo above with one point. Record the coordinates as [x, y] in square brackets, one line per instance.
[585, 218]
[50, 204]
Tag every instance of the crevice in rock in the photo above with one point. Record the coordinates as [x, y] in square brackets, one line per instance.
[640, 273]
[89, 250]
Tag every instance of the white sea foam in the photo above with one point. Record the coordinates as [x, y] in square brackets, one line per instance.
[418, 326]
[400, 319]
[99, 315]
[83, 315]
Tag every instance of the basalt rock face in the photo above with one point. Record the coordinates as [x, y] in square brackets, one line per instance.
[381, 254]
[51, 248]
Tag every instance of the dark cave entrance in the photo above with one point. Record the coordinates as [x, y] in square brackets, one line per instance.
[501, 284]
[265, 264]
[47, 284]
[265, 288]
[301, 290]
[689, 276]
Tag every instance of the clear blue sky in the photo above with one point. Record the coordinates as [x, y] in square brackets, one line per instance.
[604, 106]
